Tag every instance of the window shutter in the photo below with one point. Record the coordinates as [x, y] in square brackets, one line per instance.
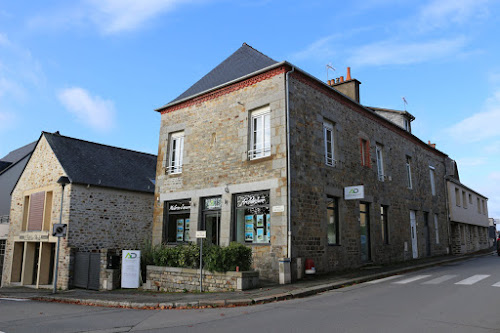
[35, 219]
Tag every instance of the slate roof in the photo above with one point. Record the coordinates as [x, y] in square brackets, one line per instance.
[244, 61]
[16, 155]
[96, 164]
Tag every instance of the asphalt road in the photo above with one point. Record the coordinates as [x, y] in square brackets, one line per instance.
[457, 297]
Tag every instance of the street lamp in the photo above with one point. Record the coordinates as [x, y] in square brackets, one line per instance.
[63, 181]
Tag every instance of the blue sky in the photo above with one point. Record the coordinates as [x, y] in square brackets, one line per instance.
[97, 69]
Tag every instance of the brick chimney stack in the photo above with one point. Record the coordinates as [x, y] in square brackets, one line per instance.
[348, 87]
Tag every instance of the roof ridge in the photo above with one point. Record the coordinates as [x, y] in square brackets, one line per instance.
[99, 144]
[265, 55]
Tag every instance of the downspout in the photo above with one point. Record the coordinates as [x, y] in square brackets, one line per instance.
[448, 220]
[288, 179]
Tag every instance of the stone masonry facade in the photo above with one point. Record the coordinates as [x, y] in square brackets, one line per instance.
[313, 182]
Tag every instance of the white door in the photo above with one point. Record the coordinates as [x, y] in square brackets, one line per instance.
[413, 227]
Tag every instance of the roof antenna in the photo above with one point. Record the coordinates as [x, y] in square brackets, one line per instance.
[405, 103]
[329, 66]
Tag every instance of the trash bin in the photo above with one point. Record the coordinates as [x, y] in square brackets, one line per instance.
[284, 274]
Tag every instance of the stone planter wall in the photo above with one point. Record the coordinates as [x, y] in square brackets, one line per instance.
[181, 279]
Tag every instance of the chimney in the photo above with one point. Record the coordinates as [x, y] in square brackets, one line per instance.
[433, 145]
[349, 87]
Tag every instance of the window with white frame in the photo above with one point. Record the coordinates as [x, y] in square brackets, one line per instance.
[432, 178]
[436, 227]
[380, 161]
[408, 172]
[328, 135]
[175, 153]
[260, 133]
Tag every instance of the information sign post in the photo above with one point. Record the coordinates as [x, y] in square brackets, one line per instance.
[202, 234]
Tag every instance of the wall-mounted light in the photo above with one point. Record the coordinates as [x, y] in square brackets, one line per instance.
[226, 189]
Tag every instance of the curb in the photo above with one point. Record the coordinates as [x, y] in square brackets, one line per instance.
[295, 294]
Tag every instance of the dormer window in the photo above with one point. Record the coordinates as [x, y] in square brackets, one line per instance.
[406, 124]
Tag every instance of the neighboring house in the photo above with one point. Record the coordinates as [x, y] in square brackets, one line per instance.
[11, 167]
[262, 153]
[107, 207]
[492, 230]
[468, 212]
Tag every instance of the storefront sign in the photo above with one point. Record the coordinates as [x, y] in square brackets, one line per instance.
[179, 206]
[249, 200]
[131, 268]
[213, 203]
[354, 192]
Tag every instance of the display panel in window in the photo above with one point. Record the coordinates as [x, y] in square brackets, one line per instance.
[252, 218]
[176, 221]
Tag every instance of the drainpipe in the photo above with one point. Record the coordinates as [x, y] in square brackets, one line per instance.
[447, 211]
[288, 180]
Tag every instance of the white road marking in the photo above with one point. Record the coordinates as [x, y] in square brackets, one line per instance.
[473, 279]
[412, 279]
[496, 284]
[385, 279]
[14, 299]
[440, 279]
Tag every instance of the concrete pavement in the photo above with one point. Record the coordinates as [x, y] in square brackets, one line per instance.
[311, 285]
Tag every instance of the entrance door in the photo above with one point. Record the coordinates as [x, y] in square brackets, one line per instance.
[212, 226]
[427, 235]
[413, 227]
[364, 224]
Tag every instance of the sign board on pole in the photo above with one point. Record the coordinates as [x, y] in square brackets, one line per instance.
[131, 269]
[354, 192]
[201, 234]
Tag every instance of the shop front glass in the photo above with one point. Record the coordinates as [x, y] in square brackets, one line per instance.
[176, 222]
[252, 218]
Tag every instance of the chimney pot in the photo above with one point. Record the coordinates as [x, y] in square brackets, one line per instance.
[338, 80]
[348, 78]
[341, 79]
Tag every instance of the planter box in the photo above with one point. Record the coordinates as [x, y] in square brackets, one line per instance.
[182, 279]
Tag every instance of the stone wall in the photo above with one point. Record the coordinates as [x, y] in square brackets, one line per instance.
[182, 279]
[103, 218]
[313, 181]
[467, 238]
[215, 161]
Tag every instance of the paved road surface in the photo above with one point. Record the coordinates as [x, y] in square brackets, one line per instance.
[457, 297]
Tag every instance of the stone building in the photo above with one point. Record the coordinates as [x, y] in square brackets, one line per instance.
[261, 152]
[107, 206]
[468, 212]
[11, 167]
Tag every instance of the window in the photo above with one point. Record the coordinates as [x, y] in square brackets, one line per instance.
[484, 207]
[365, 152]
[464, 199]
[406, 124]
[432, 178]
[436, 227]
[457, 196]
[329, 143]
[260, 132]
[252, 218]
[384, 223]
[380, 162]
[176, 151]
[470, 198]
[37, 211]
[408, 172]
[176, 221]
[478, 206]
[332, 210]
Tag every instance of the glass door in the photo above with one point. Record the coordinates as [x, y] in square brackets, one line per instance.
[211, 219]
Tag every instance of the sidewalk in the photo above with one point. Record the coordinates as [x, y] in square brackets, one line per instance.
[311, 285]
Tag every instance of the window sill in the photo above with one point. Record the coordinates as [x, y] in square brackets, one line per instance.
[334, 245]
[174, 175]
[260, 159]
[257, 244]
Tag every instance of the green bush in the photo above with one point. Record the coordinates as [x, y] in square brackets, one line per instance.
[215, 258]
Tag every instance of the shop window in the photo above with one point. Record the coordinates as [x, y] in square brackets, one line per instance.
[176, 221]
[384, 210]
[176, 151]
[328, 135]
[332, 209]
[260, 133]
[252, 218]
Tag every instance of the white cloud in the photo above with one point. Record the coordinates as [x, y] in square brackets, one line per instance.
[480, 126]
[440, 13]
[92, 110]
[110, 16]
[399, 53]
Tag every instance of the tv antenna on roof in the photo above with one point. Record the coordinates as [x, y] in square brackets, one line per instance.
[405, 103]
[329, 66]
